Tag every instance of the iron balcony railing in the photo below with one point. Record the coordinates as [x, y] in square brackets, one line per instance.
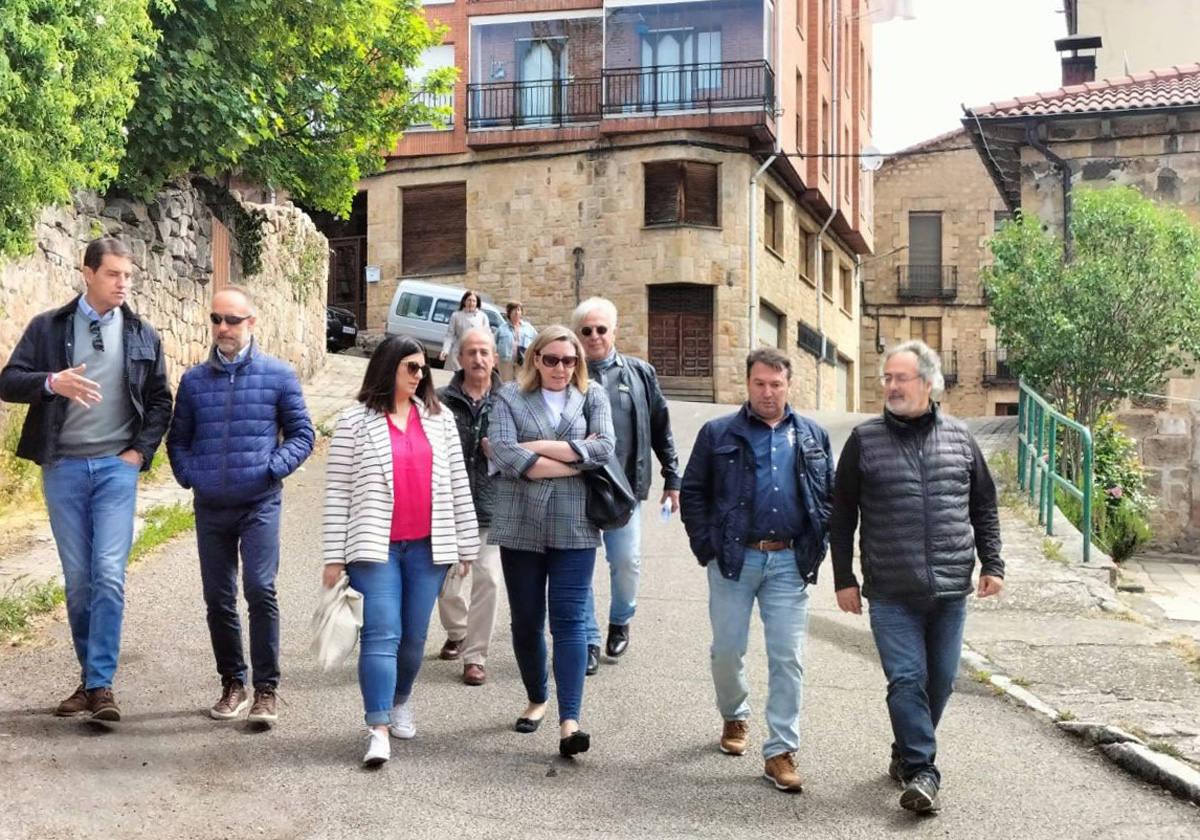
[995, 367]
[548, 102]
[437, 100]
[640, 90]
[928, 281]
[950, 367]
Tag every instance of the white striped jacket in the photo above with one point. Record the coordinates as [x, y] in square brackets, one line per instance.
[360, 489]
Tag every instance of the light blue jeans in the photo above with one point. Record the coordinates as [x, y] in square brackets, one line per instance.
[91, 502]
[623, 550]
[773, 579]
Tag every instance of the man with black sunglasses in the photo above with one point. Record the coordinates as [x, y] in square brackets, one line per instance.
[642, 424]
[240, 428]
[92, 434]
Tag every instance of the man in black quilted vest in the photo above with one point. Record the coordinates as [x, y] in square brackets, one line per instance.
[928, 506]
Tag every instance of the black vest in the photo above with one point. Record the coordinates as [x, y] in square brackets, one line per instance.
[916, 541]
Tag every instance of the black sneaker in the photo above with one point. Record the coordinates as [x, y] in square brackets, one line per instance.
[921, 794]
[618, 640]
[593, 660]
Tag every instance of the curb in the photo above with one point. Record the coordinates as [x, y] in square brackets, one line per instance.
[1127, 751]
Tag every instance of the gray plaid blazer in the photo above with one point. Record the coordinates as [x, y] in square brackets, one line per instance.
[536, 514]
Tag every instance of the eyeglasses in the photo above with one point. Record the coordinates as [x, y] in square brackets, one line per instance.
[552, 361]
[231, 320]
[586, 332]
[415, 368]
[97, 338]
[889, 378]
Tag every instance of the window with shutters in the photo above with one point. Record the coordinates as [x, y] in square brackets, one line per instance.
[434, 230]
[827, 272]
[681, 192]
[928, 330]
[847, 277]
[773, 224]
[772, 326]
[826, 135]
[804, 257]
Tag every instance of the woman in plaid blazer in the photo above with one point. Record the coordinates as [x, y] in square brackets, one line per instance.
[547, 428]
[398, 514]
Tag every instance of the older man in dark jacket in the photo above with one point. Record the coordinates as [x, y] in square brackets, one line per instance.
[642, 423]
[755, 504]
[240, 428]
[94, 377]
[928, 504]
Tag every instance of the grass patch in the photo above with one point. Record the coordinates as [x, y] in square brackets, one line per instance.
[1052, 550]
[19, 479]
[1066, 715]
[1165, 748]
[1021, 681]
[18, 608]
[163, 522]
[324, 429]
[981, 676]
[1188, 650]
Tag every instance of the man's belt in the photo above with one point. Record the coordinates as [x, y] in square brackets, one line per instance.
[770, 545]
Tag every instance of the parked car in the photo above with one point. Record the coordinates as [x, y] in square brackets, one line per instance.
[422, 311]
[341, 328]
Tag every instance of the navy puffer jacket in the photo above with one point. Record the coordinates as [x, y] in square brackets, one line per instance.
[236, 436]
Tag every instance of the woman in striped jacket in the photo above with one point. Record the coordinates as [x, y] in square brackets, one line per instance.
[398, 514]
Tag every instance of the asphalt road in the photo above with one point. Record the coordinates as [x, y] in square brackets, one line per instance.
[653, 772]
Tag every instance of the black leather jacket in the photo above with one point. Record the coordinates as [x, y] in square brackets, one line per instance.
[652, 420]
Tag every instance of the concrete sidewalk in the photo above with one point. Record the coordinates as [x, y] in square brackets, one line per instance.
[329, 391]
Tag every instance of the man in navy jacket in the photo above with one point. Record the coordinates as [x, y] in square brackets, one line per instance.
[755, 502]
[240, 428]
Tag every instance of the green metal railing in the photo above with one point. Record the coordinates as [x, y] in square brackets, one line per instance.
[1038, 469]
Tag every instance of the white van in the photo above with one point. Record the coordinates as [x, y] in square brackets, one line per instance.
[422, 311]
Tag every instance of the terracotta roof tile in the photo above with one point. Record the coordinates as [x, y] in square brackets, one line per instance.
[1172, 87]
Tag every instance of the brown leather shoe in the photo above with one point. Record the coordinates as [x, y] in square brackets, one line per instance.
[263, 710]
[233, 702]
[780, 770]
[76, 704]
[103, 705]
[734, 736]
[474, 674]
[451, 650]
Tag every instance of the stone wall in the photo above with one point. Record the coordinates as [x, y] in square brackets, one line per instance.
[172, 244]
[951, 180]
[525, 217]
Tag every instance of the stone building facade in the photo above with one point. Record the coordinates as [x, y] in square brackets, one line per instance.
[567, 119]
[1141, 131]
[181, 253]
[935, 210]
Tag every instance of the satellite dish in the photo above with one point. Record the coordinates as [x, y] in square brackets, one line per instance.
[870, 158]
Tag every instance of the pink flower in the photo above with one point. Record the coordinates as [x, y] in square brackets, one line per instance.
[1115, 492]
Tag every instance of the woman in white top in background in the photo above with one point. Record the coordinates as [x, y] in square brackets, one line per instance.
[469, 316]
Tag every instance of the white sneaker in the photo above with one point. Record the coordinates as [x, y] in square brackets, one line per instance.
[403, 726]
[379, 749]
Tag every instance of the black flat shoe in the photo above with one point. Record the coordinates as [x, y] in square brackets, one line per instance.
[526, 725]
[575, 743]
[618, 640]
[593, 660]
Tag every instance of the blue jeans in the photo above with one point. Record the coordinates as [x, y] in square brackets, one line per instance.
[219, 534]
[623, 550]
[919, 645]
[782, 593]
[398, 599]
[561, 577]
[91, 502]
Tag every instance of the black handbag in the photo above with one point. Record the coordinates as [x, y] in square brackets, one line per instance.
[610, 500]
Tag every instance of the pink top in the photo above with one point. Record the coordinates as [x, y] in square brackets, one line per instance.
[412, 472]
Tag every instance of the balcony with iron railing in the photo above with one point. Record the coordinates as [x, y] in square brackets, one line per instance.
[442, 101]
[996, 369]
[950, 367]
[937, 282]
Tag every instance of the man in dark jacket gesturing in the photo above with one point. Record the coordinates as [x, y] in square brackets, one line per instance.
[928, 504]
[755, 504]
[94, 377]
[240, 428]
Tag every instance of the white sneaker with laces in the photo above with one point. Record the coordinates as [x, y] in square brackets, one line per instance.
[379, 749]
[403, 726]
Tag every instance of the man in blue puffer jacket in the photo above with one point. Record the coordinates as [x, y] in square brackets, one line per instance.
[240, 428]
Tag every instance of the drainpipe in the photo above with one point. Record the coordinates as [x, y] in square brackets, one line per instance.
[834, 168]
[1064, 169]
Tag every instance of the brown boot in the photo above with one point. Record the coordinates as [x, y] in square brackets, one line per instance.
[734, 736]
[263, 710]
[76, 704]
[780, 770]
[474, 674]
[103, 705]
[233, 702]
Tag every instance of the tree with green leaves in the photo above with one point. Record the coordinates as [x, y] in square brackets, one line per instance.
[66, 84]
[302, 95]
[1117, 319]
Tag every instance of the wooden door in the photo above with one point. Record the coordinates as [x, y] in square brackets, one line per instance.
[681, 339]
[347, 276]
[222, 258]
